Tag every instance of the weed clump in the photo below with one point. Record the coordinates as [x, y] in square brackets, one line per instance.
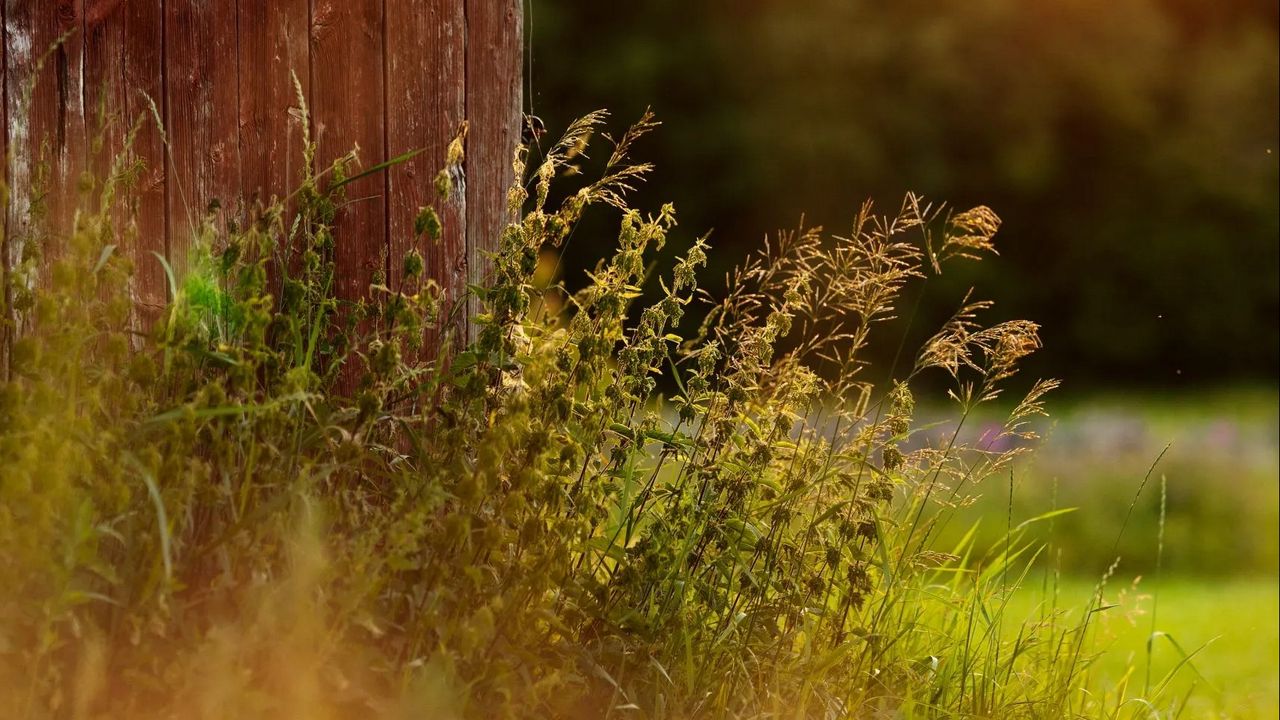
[275, 503]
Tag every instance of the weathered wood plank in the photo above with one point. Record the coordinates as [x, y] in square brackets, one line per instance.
[348, 93]
[494, 41]
[46, 128]
[104, 99]
[383, 76]
[4, 107]
[426, 103]
[274, 49]
[104, 85]
[143, 61]
[273, 44]
[202, 109]
[6, 301]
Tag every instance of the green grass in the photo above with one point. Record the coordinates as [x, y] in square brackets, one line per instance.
[1231, 623]
[1219, 459]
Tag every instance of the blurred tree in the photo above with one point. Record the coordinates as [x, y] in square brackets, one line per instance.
[1130, 147]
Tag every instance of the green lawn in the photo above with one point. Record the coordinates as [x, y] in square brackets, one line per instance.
[1231, 622]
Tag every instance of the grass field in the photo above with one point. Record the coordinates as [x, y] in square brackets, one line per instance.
[1230, 626]
[1216, 452]
[1219, 594]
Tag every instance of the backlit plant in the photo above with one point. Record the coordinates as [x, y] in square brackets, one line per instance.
[274, 503]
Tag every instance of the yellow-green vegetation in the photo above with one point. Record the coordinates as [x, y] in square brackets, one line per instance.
[1232, 624]
[278, 504]
[1220, 461]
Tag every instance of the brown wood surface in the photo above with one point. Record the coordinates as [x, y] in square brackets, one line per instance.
[273, 47]
[383, 76]
[426, 103]
[7, 316]
[143, 61]
[46, 124]
[201, 118]
[494, 41]
[348, 103]
[105, 92]
[104, 104]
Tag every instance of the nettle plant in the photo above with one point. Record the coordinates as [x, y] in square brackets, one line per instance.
[276, 503]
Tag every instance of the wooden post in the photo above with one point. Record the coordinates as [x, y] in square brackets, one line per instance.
[493, 109]
[426, 103]
[144, 87]
[201, 112]
[386, 76]
[45, 122]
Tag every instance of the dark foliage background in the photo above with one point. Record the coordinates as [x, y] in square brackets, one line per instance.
[1130, 147]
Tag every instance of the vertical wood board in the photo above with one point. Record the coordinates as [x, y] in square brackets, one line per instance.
[208, 86]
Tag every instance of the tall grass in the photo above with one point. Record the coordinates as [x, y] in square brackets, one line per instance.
[274, 503]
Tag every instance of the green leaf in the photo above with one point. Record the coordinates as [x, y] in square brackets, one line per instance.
[397, 160]
[427, 222]
[168, 273]
[105, 255]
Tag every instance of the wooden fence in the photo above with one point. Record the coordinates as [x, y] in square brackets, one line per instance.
[385, 76]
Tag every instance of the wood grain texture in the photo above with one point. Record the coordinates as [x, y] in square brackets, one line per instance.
[202, 111]
[143, 60]
[426, 103]
[273, 45]
[383, 76]
[104, 99]
[347, 103]
[7, 317]
[46, 122]
[104, 83]
[494, 42]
